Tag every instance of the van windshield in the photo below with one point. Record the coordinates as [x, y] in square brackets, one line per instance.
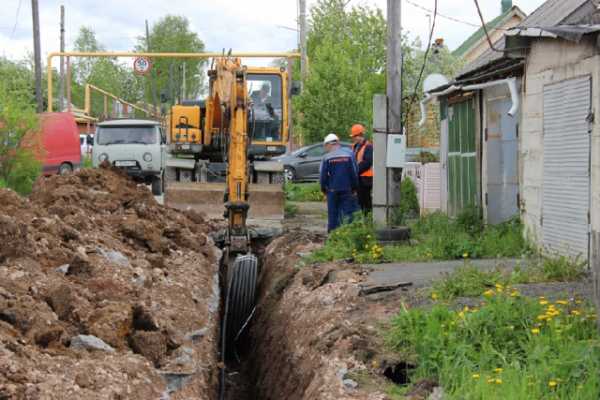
[130, 134]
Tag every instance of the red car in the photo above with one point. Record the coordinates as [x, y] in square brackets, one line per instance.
[59, 152]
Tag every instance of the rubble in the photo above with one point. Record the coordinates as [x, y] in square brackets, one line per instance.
[90, 261]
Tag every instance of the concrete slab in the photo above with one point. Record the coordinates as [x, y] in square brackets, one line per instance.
[422, 274]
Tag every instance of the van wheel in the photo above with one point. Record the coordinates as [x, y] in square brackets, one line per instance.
[65, 169]
[157, 186]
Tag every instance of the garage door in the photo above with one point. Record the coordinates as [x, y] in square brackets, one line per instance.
[566, 185]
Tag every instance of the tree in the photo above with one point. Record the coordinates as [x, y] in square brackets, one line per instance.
[18, 165]
[173, 34]
[347, 52]
[105, 73]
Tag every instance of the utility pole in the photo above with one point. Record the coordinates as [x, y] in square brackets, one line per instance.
[37, 55]
[61, 87]
[152, 81]
[303, 54]
[387, 126]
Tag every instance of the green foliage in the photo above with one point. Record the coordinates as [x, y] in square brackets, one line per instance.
[87, 162]
[347, 52]
[468, 281]
[105, 73]
[351, 241]
[173, 34]
[290, 210]
[301, 192]
[409, 202]
[509, 348]
[18, 166]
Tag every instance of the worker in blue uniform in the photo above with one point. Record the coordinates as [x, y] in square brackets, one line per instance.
[339, 182]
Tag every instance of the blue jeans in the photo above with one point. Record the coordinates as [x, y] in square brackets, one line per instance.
[340, 208]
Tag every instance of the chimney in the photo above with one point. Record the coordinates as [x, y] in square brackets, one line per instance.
[506, 5]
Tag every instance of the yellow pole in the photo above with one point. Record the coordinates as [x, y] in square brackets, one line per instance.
[87, 108]
[154, 55]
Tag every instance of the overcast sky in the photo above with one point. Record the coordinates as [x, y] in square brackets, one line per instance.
[244, 25]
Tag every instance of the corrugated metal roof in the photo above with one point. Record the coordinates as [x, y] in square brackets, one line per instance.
[552, 13]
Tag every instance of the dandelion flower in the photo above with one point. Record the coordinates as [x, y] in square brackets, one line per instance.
[562, 302]
[488, 293]
[552, 384]
[535, 331]
[576, 312]
[476, 376]
[498, 370]
[498, 381]
[543, 302]
[465, 255]
[434, 296]
[499, 286]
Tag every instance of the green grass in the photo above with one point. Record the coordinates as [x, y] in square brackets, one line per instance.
[511, 347]
[302, 192]
[469, 281]
[434, 237]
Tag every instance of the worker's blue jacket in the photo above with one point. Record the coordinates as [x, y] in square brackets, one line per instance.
[339, 172]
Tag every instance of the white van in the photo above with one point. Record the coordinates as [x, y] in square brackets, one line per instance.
[138, 146]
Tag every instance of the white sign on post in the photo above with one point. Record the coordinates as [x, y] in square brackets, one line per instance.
[396, 151]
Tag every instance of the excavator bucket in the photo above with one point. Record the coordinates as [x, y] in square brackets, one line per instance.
[266, 200]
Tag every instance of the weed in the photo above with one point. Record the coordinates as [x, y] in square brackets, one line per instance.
[290, 210]
[86, 162]
[302, 192]
[409, 203]
[469, 281]
[511, 347]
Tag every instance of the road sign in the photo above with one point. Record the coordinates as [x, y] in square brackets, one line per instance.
[142, 65]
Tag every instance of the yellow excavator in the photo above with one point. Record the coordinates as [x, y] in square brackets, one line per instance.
[219, 154]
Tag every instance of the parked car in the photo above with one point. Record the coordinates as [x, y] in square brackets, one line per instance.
[137, 146]
[56, 144]
[303, 164]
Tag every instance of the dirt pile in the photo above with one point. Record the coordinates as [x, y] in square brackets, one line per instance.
[104, 294]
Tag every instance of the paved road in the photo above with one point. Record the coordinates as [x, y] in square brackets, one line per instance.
[421, 274]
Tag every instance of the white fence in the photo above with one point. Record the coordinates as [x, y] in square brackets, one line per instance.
[427, 179]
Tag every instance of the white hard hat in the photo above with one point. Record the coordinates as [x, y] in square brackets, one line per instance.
[331, 138]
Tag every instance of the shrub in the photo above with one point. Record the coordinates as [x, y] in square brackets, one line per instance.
[409, 203]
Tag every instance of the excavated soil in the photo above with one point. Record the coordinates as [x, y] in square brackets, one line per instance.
[93, 254]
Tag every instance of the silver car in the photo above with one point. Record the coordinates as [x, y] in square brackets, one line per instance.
[303, 164]
[138, 146]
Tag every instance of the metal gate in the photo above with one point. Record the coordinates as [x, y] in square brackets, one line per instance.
[501, 158]
[566, 182]
[462, 156]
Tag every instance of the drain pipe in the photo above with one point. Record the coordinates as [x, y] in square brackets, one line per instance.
[512, 87]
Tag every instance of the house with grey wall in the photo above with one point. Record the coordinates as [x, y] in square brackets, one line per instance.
[559, 172]
[527, 147]
[479, 112]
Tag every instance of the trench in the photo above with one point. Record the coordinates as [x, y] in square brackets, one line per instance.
[237, 380]
[261, 367]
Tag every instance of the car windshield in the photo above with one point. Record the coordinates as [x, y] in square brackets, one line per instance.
[130, 134]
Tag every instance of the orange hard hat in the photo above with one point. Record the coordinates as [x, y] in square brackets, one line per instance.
[356, 130]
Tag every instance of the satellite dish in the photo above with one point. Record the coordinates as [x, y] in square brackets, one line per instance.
[434, 81]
